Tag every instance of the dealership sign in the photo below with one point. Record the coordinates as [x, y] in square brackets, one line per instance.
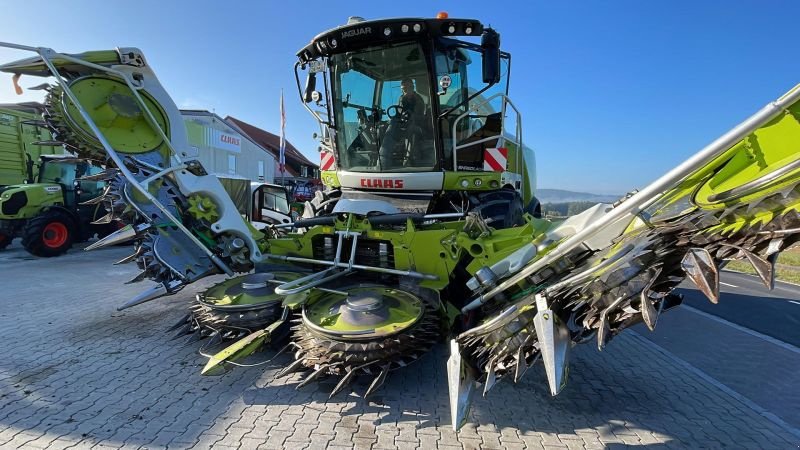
[225, 141]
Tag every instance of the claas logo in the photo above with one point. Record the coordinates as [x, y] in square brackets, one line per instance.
[380, 183]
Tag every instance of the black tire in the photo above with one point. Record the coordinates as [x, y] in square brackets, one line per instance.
[534, 208]
[5, 240]
[502, 209]
[49, 234]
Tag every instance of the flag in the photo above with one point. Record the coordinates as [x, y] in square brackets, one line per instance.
[282, 153]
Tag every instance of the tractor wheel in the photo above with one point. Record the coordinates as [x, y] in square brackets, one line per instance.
[48, 234]
[502, 209]
[5, 240]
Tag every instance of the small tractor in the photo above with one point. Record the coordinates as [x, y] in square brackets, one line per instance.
[428, 228]
[46, 211]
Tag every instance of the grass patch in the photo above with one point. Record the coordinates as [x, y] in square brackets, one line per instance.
[790, 274]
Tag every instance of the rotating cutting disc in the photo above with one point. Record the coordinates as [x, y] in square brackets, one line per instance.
[237, 306]
[111, 104]
[367, 312]
[114, 109]
[246, 292]
[369, 330]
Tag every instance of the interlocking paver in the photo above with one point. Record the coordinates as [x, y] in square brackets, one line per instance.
[74, 372]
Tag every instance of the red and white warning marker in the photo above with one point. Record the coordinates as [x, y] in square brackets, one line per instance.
[327, 161]
[495, 159]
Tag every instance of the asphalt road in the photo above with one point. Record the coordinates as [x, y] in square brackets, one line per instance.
[745, 301]
[727, 342]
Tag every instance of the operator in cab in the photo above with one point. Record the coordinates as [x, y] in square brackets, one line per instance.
[410, 101]
[403, 130]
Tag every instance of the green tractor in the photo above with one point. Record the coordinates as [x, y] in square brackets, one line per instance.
[428, 229]
[46, 212]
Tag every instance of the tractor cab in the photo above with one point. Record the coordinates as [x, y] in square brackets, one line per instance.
[67, 172]
[408, 104]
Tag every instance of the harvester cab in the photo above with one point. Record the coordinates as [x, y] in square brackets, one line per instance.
[415, 115]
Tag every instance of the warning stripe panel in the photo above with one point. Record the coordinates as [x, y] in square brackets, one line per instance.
[327, 161]
[495, 159]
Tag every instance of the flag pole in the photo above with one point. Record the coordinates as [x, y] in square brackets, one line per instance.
[282, 150]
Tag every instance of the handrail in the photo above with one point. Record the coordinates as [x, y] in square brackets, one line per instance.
[502, 137]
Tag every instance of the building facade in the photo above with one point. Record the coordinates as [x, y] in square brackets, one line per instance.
[297, 165]
[226, 151]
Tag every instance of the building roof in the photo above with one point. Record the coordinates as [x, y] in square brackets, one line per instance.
[271, 142]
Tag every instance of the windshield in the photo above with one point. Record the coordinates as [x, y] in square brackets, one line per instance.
[382, 110]
[274, 198]
[459, 75]
[55, 171]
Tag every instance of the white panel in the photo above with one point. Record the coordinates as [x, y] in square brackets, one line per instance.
[423, 181]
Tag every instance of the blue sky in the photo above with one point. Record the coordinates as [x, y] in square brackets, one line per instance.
[613, 94]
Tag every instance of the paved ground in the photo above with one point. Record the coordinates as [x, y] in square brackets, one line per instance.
[74, 372]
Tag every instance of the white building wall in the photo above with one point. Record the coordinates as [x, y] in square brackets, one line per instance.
[224, 151]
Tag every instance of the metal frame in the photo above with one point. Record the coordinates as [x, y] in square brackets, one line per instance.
[642, 199]
[47, 54]
[316, 279]
[753, 186]
[501, 137]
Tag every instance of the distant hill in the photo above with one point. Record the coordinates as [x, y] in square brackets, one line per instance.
[561, 196]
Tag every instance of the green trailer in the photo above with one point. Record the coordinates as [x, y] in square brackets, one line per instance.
[21, 137]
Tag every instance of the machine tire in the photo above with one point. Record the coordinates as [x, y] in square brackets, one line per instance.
[503, 208]
[534, 208]
[5, 240]
[49, 234]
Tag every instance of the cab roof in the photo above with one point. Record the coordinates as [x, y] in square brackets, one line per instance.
[362, 33]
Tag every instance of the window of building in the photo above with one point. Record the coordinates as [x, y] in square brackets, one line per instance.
[261, 171]
[232, 164]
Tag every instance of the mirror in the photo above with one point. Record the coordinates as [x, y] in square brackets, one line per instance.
[311, 85]
[490, 44]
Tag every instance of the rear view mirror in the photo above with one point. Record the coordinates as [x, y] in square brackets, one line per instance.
[490, 44]
[311, 85]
